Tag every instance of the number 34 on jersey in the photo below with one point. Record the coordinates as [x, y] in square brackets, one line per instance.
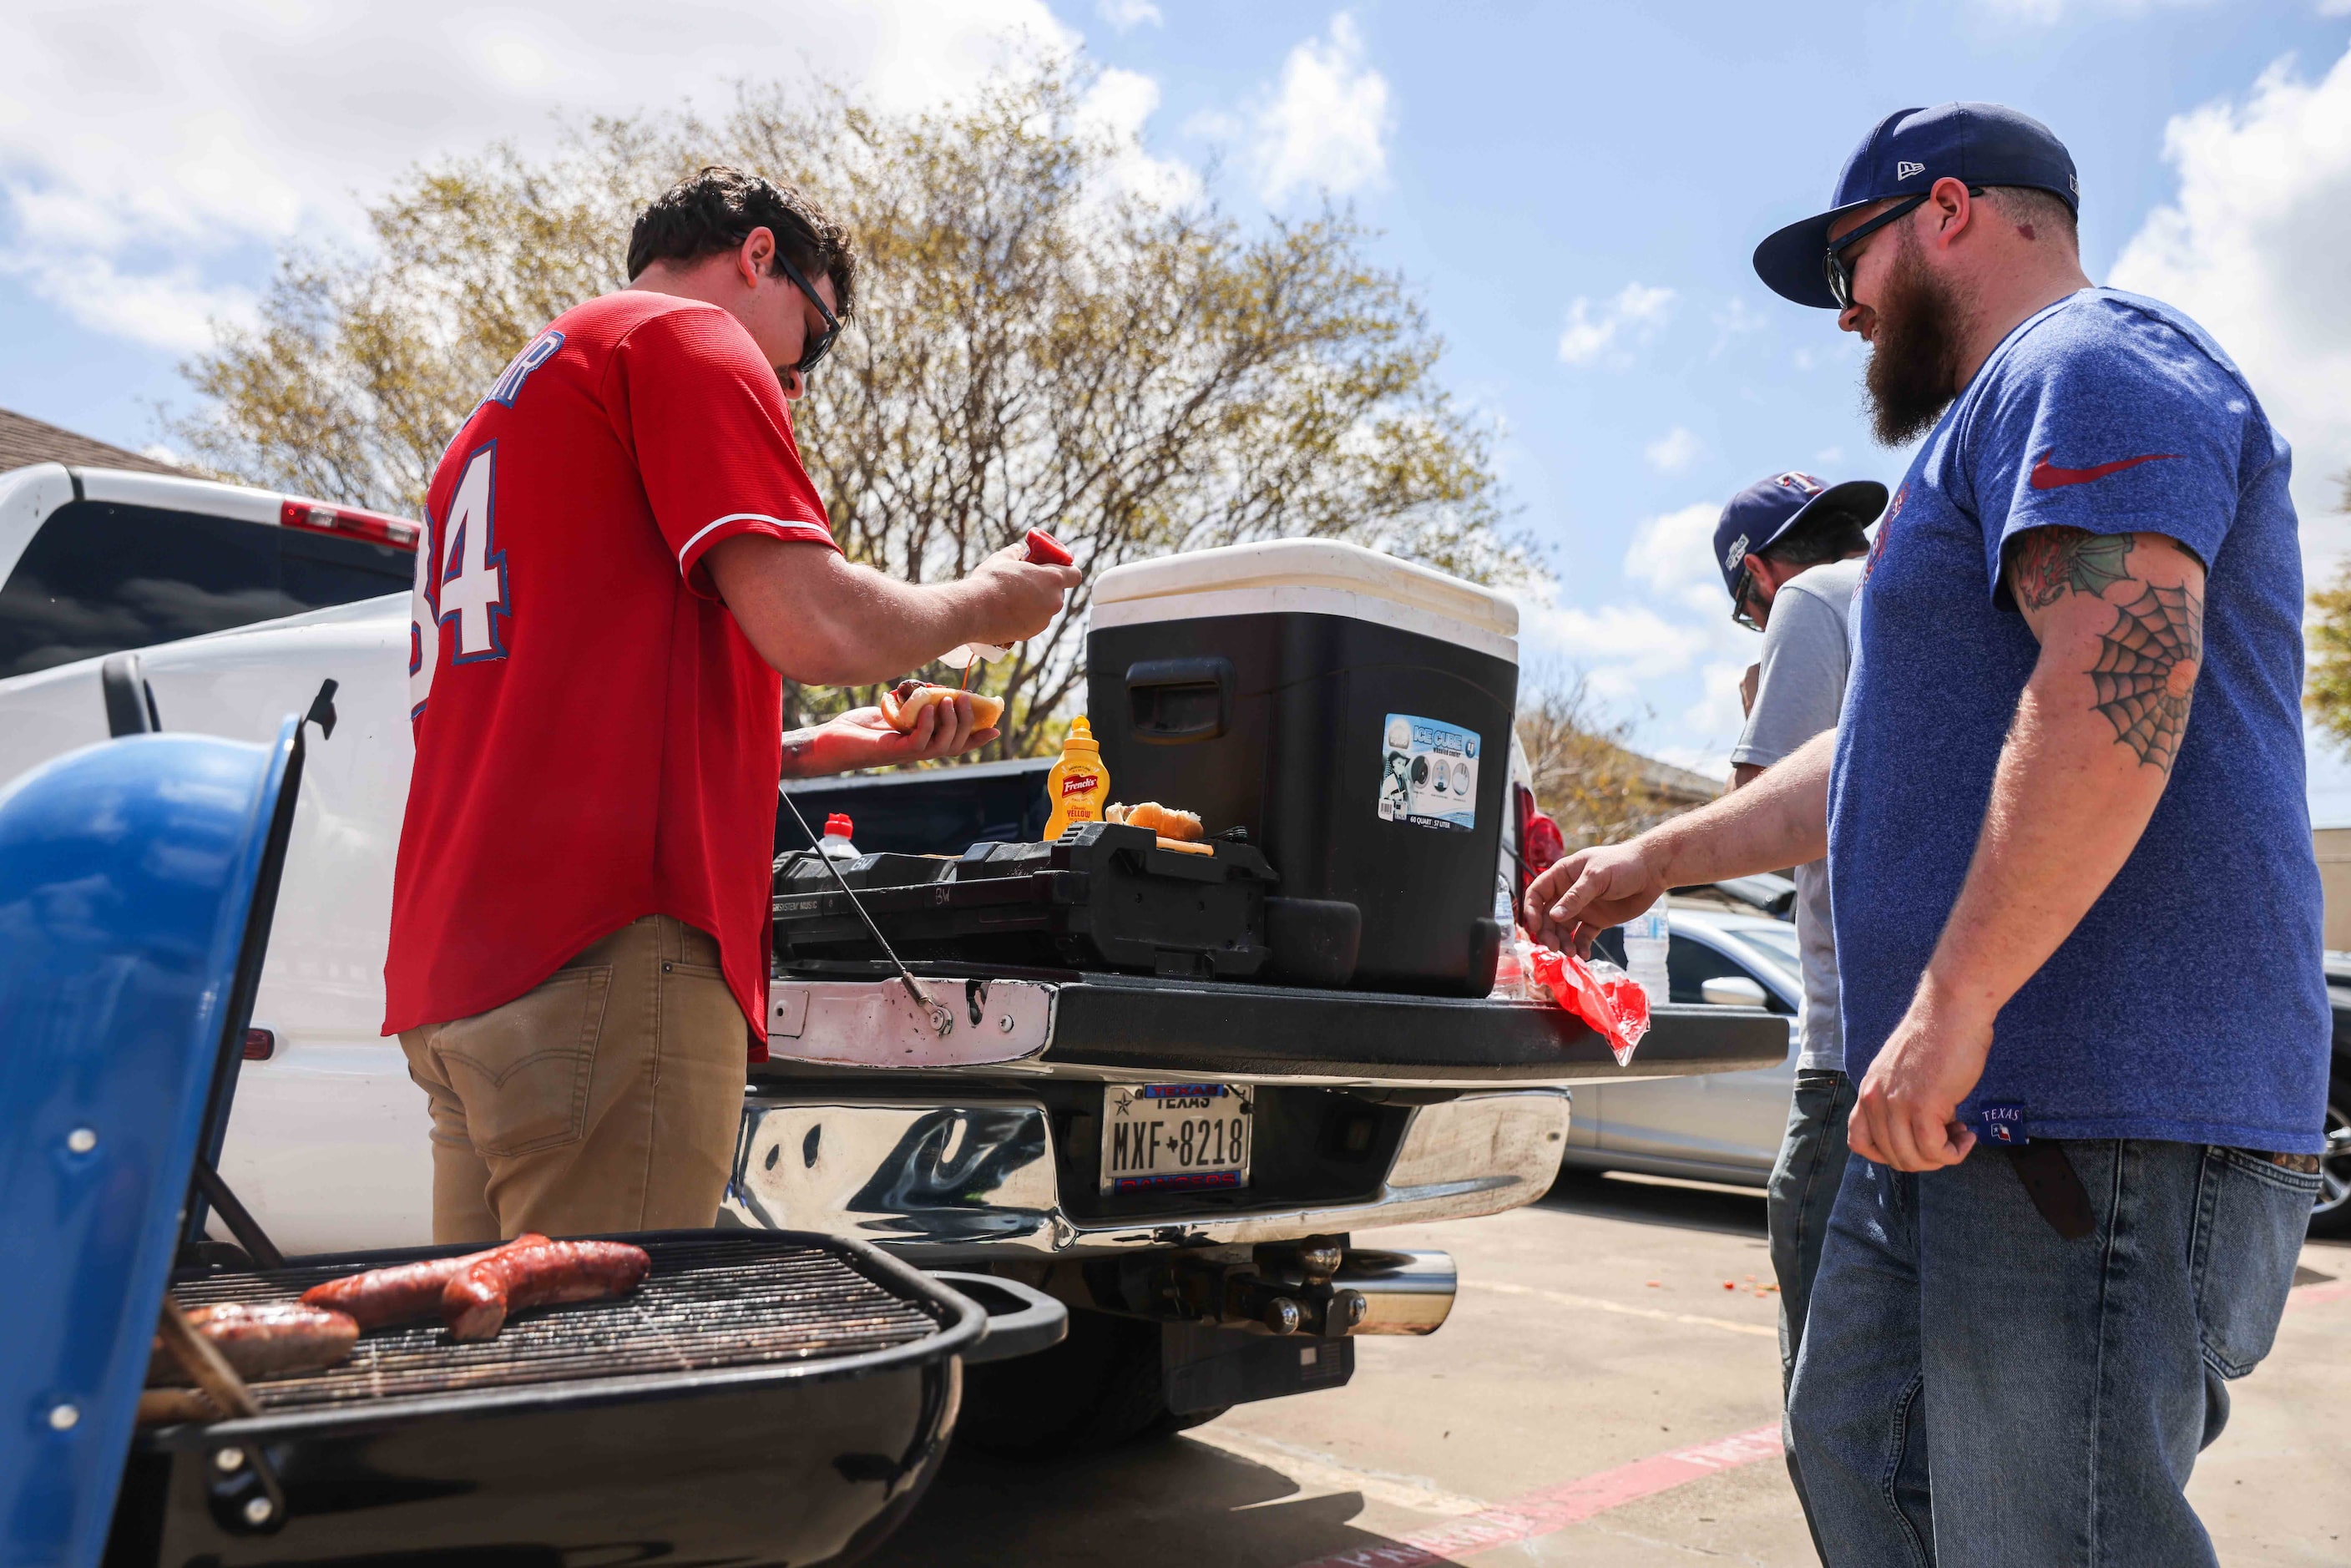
[461, 581]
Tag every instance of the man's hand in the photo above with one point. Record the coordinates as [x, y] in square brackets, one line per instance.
[1906, 1115]
[862, 737]
[1588, 892]
[1014, 597]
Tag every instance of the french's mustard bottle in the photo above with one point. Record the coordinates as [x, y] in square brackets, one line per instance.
[1078, 785]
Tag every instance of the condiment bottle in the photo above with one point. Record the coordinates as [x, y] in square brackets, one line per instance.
[1078, 785]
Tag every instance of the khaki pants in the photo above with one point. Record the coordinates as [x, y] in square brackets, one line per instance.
[607, 1098]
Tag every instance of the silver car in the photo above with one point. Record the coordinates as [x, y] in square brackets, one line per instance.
[1724, 1126]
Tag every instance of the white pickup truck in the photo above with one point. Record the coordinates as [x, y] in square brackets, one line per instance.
[1369, 1111]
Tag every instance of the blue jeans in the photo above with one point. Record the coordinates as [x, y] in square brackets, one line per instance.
[1802, 1192]
[1974, 1389]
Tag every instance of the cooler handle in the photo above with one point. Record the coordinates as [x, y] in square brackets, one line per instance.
[1168, 699]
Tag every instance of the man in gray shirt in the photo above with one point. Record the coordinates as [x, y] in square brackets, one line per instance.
[1790, 549]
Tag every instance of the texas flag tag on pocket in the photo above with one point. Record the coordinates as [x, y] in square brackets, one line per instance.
[2001, 1123]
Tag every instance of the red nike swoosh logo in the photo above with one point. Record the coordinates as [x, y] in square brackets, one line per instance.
[2046, 475]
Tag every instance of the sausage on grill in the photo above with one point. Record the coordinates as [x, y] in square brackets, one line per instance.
[262, 1339]
[475, 1303]
[396, 1295]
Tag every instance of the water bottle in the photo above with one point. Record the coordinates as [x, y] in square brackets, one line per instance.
[835, 844]
[1509, 965]
[1646, 939]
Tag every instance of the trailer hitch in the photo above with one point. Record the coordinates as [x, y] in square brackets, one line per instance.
[1316, 1286]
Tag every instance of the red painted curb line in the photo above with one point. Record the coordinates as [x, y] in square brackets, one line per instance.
[1556, 1507]
[2302, 1296]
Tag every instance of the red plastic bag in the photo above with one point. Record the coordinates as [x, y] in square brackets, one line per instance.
[1602, 994]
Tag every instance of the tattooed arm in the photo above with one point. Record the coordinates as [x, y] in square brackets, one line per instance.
[2120, 619]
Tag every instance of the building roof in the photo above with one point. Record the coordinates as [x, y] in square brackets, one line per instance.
[24, 440]
[1676, 787]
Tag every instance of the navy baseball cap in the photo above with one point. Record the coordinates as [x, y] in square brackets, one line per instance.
[1981, 144]
[1760, 516]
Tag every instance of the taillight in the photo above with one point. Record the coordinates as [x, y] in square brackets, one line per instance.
[374, 527]
[260, 1044]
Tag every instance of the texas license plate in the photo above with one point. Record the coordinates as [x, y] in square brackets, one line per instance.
[1176, 1137]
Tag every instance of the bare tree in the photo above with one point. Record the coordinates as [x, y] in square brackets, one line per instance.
[1587, 776]
[1040, 346]
[2328, 694]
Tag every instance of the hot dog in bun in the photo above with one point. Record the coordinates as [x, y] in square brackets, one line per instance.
[903, 703]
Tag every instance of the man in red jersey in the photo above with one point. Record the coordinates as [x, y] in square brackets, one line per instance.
[622, 551]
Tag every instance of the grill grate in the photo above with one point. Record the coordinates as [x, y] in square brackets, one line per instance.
[704, 1304]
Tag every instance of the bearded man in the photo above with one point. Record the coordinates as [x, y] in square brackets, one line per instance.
[2084, 1146]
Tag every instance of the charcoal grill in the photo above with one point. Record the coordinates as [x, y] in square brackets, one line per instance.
[711, 1303]
[763, 1397]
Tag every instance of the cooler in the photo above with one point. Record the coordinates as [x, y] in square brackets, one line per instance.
[1351, 710]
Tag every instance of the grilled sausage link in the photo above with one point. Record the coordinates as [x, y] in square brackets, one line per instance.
[475, 1303]
[409, 1290]
[262, 1339]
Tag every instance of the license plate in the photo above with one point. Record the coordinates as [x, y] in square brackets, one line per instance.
[1176, 1137]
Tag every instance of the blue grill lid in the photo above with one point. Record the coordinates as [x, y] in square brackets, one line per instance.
[136, 880]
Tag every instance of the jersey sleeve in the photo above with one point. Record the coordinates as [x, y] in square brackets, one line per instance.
[2126, 427]
[706, 421]
[1801, 684]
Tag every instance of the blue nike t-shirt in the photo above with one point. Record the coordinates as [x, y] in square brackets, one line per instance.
[2190, 1003]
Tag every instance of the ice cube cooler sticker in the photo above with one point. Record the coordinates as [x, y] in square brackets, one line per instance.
[1428, 773]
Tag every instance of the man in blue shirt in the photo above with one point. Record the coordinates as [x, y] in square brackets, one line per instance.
[2085, 1139]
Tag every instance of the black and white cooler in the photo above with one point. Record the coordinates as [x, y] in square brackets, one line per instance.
[1352, 711]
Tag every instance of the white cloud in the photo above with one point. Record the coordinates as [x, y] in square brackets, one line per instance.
[1734, 320]
[2335, 7]
[2256, 246]
[1611, 634]
[1673, 554]
[1710, 761]
[1126, 15]
[1327, 125]
[173, 311]
[2053, 11]
[1637, 311]
[1675, 450]
[1119, 102]
[147, 150]
[1829, 457]
[1716, 713]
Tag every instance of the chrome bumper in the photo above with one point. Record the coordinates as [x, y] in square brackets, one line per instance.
[977, 1177]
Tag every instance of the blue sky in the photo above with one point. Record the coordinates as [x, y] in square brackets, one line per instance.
[1574, 190]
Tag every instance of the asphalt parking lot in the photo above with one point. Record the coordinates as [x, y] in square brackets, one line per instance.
[1599, 1396]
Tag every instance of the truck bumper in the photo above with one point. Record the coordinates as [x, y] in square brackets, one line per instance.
[976, 1176]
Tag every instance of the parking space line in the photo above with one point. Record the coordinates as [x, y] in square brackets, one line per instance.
[1553, 1509]
[2305, 1295]
[1625, 1309]
[1315, 1470]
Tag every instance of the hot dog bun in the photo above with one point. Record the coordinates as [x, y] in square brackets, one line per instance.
[1165, 821]
[902, 705]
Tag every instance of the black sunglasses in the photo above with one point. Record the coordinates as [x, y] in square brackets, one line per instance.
[1740, 589]
[1839, 271]
[820, 345]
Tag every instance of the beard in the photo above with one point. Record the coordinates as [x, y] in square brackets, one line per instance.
[1913, 372]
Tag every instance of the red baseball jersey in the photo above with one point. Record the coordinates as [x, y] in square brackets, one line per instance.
[596, 739]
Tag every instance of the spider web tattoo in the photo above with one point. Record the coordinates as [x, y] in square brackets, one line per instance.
[2050, 562]
[2146, 671]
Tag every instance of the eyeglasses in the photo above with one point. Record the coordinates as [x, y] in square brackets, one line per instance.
[1839, 271]
[820, 345]
[1740, 590]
